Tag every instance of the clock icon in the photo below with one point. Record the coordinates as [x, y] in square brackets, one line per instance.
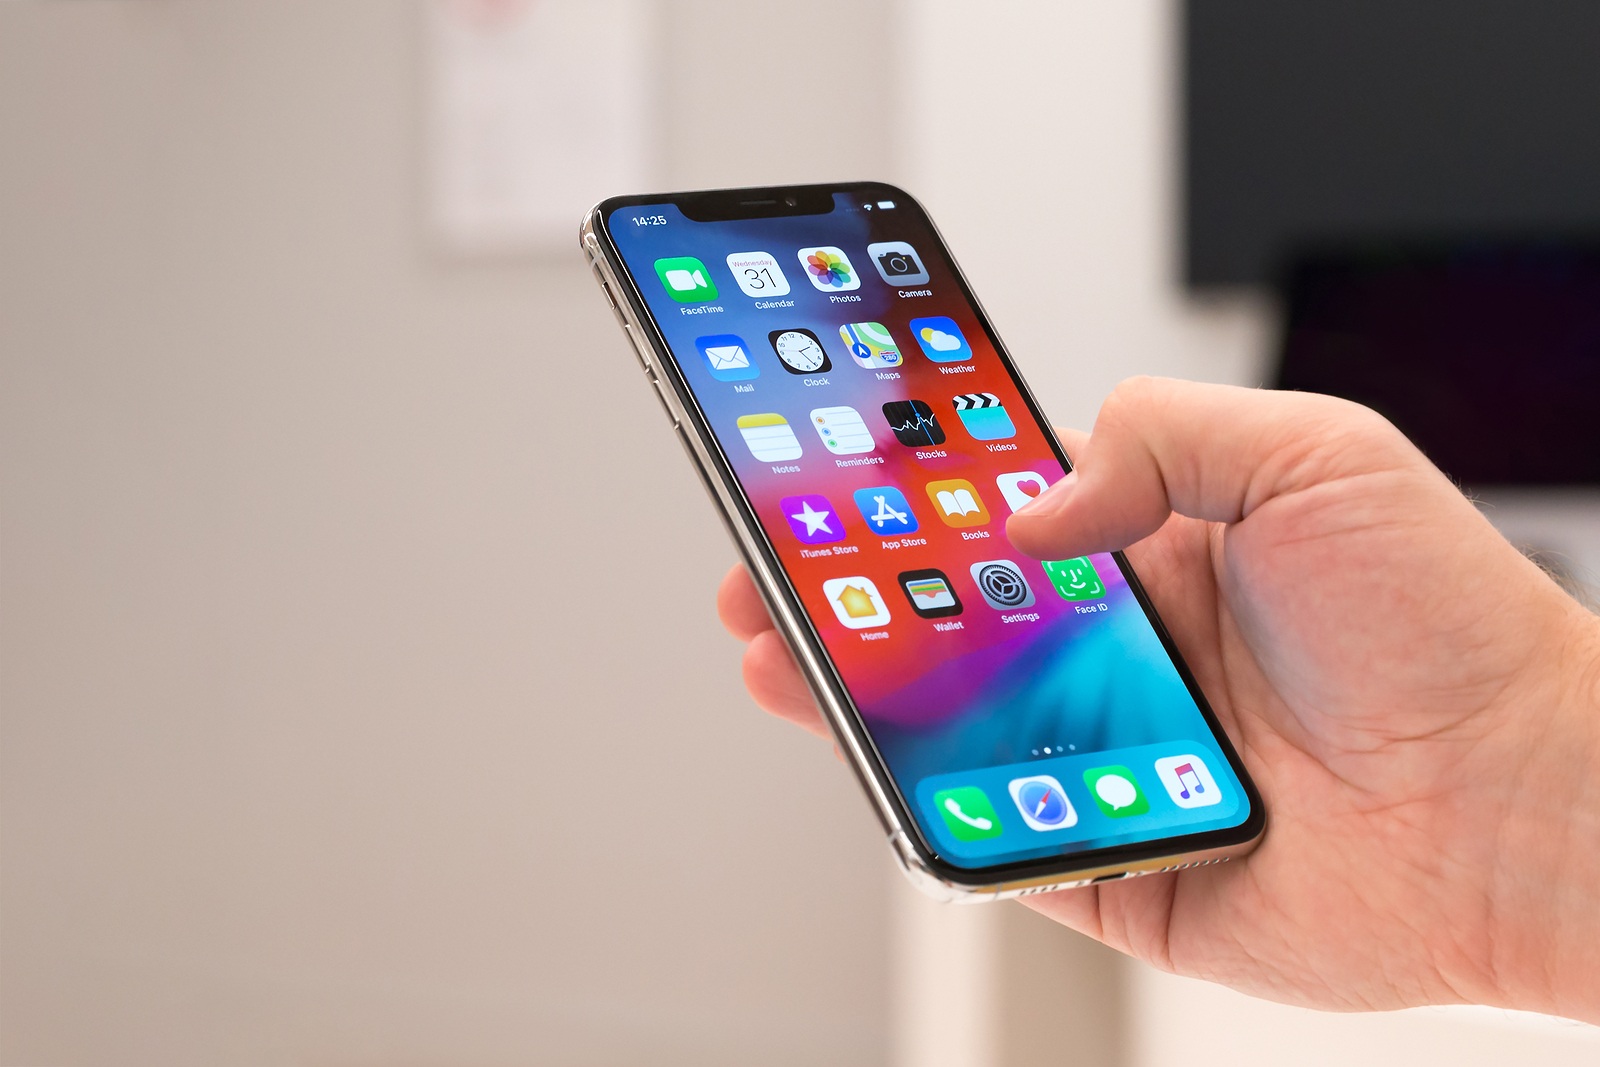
[800, 351]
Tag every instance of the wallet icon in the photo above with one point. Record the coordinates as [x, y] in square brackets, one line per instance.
[727, 357]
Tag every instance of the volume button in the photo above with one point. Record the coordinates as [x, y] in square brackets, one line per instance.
[611, 298]
[661, 394]
[638, 349]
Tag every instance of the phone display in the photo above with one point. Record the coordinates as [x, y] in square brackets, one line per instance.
[880, 437]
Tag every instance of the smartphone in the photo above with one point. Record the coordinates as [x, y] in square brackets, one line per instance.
[1017, 726]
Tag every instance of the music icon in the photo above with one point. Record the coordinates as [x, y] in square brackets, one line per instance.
[1188, 781]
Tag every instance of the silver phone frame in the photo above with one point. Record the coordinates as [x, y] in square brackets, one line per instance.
[904, 838]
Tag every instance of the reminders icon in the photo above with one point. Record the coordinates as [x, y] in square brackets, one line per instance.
[769, 437]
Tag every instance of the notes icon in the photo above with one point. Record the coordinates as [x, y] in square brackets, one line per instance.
[769, 437]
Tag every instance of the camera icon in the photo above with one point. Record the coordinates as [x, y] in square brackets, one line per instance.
[898, 263]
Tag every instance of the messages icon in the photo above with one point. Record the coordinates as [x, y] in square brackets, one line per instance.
[1116, 791]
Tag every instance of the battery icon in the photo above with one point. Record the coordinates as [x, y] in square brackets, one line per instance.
[885, 205]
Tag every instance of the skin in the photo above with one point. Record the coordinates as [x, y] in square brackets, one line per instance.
[1418, 703]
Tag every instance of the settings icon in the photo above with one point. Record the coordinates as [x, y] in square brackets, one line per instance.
[1002, 584]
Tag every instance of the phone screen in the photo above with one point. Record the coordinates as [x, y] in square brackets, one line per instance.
[1024, 710]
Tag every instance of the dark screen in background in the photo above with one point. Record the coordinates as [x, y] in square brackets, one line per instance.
[1377, 120]
[1487, 357]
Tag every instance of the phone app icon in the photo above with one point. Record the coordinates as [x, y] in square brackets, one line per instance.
[914, 423]
[1116, 791]
[856, 602]
[1002, 584]
[829, 269]
[941, 339]
[1188, 781]
[842, 430]
[897, 263]
[686, 279]
[886, 511]
[984, 416]
[758, 274]
[800, 351]
[967, 813]
[769, 437]
[1075, 579]
[1021, 488]
[930, 593]
[958, 503]
[727, 358]
[812, 519]
[870, 345]
[1042, 803]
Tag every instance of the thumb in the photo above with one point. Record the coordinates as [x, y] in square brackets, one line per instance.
[1211, 452]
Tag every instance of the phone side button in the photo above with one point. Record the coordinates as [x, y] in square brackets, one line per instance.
[639, 350]
[611, 298]
[661, 395]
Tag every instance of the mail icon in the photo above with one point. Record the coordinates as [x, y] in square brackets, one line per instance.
[727, 357]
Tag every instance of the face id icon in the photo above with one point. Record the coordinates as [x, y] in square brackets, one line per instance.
[842, 430]
[856, 602]
[984, 417]
[1075, 579]
[769, 437]
[1002, 585]
[914, 423]
[930, 593]
[812, 519]
[886, 511]
[1188, 781]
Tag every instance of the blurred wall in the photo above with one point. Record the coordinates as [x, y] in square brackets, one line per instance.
[363, 699]
[1051, 164]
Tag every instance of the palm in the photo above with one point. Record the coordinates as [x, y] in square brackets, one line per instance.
[1307, 651]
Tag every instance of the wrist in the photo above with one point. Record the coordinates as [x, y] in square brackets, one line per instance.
[1544, 896]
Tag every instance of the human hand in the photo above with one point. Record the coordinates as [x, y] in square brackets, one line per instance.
[1418, 703]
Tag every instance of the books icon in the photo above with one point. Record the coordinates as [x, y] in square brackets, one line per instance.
[958, 502]
[769, 437]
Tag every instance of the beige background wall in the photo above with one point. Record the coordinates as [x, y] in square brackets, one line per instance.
[363, 700]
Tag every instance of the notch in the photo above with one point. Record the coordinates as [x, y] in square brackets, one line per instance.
[721, 205]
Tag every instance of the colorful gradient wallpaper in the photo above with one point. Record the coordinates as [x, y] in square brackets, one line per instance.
[1024, 709]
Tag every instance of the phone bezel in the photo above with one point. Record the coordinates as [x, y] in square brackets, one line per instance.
[790, 201]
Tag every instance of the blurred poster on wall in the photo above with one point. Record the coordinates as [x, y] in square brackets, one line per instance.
[537, 109]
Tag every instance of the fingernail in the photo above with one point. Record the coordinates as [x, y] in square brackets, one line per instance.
[1054, 498]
